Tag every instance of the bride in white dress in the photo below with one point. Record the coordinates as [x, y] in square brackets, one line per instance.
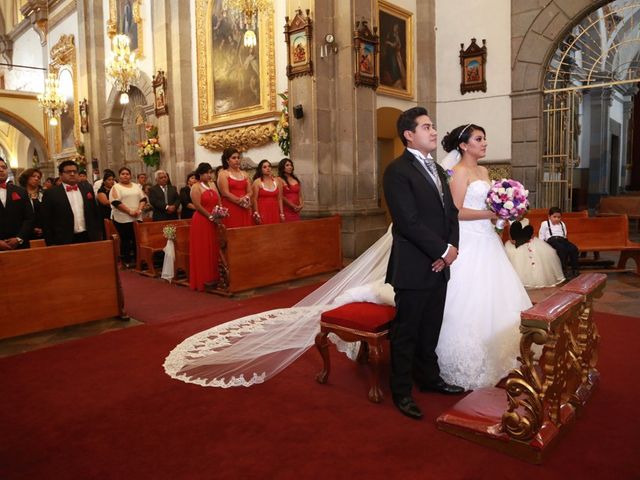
[479, 340]
[480, 332]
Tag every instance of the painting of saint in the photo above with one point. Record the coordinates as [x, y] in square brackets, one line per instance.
[393, 51]
[365, 60]
[299, 51]
[472, 72]
[67, 120]
[235, 67]
[126, 22]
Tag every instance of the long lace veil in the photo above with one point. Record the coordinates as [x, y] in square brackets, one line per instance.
[254, 348]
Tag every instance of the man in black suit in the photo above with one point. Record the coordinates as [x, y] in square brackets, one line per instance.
[16, 213]
[425, 240]
[69, 210]
[164, 198]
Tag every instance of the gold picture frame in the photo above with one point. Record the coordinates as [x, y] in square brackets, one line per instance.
[395, 67]
[472, 65]
[125, 18]
[297, 34]
[63, 65]
[365, 45]
[160, 93]
[248, 93]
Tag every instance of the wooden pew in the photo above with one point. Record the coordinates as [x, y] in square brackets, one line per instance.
[81, 285]
[538, 215]
[150, 240]
[263, 255]
[37, 243]
[541, 397]
[628, 205]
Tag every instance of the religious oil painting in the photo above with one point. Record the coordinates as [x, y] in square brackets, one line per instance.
[297, 34]
[67, 119]
[396, 51]
[472, 63]
[235, 74]
[365, 48]
[300, 49]
[125, 19]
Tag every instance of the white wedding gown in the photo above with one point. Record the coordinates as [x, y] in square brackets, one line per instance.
[478, 342]
[480, 335]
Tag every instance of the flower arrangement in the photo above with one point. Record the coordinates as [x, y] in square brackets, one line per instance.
[220, 212]
[281, 137]
[149, 150]
[508, 199]
[80, 159]
[169, 232]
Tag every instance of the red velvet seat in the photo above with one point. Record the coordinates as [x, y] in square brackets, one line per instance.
[363, 322]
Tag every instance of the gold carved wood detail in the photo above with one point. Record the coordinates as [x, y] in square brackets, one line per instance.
[242, 138]
[498, 171]
[63, 57]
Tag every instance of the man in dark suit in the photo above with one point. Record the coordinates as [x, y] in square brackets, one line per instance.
[425, 240]
[69, 210]
[164, 198]
[16, 213]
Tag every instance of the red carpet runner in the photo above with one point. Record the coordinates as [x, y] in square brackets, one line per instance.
[102, 407]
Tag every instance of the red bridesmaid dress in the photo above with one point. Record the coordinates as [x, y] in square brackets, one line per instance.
[238, 216]
[291, 193]
[268, 207]
[203, 244]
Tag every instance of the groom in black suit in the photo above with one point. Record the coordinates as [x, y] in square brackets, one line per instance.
[425, 243]
[69, 211]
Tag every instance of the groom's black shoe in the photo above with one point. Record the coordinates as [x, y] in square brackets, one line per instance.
[441, 387]
[408, 407]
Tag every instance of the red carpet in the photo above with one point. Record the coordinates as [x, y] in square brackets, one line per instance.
[102, 407]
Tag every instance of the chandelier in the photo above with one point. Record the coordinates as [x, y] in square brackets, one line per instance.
[123, 67]
[249, 10]
[52, 101]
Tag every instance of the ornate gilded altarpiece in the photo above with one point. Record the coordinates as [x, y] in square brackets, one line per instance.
[236, 84]
[63, 65]
[125, 18]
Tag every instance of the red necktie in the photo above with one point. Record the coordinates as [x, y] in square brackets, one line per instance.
[72, 187]
[3, 185]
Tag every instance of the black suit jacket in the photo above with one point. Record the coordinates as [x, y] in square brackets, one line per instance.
[57, 216]
[156, 199]
[16, 216]
[423, 224]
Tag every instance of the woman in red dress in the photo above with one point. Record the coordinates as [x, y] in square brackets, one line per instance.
[203, 240]
[267, 196]
[235, 190]
[291, 191]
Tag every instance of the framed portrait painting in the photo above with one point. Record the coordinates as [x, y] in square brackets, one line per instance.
[160, 93]
[236, 82]
[366, 49]
[125, 19]
[396, 50]
[472, 63]
[297, 34]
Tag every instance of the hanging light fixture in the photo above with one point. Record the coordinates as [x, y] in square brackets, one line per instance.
[52, 100]
[123, 67]
[249, 10]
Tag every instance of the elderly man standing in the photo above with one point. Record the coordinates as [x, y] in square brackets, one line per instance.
[16, 213]
[164, 198]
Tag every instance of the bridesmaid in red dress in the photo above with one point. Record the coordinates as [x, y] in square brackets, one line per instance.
[235, 190]
[203, 240]
[291, 191]
[267, 196]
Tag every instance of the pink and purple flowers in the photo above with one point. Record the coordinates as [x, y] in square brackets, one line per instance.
[508, 199]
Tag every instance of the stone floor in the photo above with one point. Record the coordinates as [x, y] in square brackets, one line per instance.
[621, 296]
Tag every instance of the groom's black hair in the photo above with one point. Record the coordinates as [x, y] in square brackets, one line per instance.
[407, 121]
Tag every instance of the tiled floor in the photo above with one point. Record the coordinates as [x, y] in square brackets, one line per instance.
[621, 296]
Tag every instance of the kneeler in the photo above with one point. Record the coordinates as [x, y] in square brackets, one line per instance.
[367, 323]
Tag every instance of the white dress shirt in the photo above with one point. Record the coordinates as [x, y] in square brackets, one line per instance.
[3, 196]
[77, 206]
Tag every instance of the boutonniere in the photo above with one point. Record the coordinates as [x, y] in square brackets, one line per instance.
[448, 175]
[15, 196]
[89, 196]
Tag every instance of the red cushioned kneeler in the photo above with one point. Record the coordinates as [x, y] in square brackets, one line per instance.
[363, 322]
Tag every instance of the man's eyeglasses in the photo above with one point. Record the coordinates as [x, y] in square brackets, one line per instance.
[70, 172]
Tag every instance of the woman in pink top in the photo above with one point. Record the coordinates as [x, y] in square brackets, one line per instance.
[235, 190]
[291, 191]
[267, 196]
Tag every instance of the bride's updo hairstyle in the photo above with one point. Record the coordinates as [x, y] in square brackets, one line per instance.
[458, 135]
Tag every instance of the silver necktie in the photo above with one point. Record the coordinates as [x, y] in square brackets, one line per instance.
[431, 166]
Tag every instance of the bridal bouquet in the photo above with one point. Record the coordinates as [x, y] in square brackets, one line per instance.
[219, 213]
[508, 199]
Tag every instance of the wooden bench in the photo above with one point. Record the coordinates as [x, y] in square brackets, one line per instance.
[151, 240]
[536, 216]
[83, 285]
[262, 255]
[628, 205]
[37, 243]
[544, 394]
[367, 323]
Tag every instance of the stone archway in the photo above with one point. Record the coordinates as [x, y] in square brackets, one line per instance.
[38, 142]
[536, 32]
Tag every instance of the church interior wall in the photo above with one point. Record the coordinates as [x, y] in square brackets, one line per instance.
[456, 23]
[27, 50]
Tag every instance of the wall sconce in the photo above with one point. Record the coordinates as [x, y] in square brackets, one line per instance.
[298, 113]
[329, 46]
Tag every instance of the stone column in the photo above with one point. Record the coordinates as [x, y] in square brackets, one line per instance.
[599, 148]
[172, 48]
[625, 142]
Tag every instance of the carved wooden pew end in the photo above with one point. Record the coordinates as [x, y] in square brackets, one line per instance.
[539, 401]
